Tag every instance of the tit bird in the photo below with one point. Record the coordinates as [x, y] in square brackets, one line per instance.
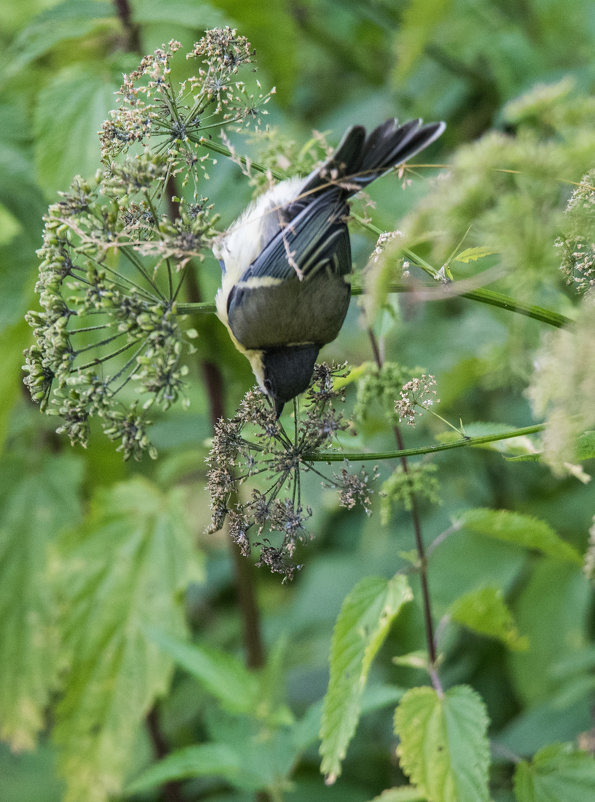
[285, 261]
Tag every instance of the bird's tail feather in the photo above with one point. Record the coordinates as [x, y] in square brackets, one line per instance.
[360, 159]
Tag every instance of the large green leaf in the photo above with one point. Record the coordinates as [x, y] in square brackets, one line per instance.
[71, 19]
[249, 758]
[221, 674]
[362, 626]
[67, 143]
[444, 745]
[523, 530]
[123, 571]
[557, 773]
[36, 501]
[202, 760]
[484, 611]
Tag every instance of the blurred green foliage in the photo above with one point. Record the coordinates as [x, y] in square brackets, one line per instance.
[99, 559]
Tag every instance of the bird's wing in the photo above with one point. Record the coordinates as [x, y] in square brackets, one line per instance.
[317, 237]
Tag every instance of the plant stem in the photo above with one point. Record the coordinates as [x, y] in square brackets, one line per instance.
[172, 790]
[419, 544]
[333, 456]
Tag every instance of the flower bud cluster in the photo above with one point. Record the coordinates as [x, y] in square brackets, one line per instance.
[254, 447]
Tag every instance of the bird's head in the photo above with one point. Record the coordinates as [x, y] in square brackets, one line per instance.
[285, 371]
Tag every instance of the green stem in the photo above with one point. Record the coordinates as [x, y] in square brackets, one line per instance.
[483, 296]
[193, 308]
[506, 302]
[331, 456]
[217, 147]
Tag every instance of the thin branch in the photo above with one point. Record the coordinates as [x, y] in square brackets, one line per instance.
[419, 545]
[444, 292]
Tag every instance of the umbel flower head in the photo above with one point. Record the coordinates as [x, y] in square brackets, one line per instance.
[254, 447]
[108, 342]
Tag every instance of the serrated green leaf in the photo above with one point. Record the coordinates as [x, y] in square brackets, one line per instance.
[523, 530]
[202, 760]
[361, 628]
[123, 571]
[67, 143]
[69, 20]
[557, 773]
[221, 674]
[473, 254]
[35, 503]
[484, 611]
[443, 743]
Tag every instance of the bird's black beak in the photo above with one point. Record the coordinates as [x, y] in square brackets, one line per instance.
[278, 407]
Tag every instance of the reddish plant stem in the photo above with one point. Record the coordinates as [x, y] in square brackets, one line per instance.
[419, 544]
[172, 791]
[131, 28]
[243, 569]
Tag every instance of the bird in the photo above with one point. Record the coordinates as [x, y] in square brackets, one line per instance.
[286, 260]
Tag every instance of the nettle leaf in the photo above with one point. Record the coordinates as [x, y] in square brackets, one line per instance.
[70, 111]
[221, 674]
[444, 746]
[124, 570]
[69, 20]
[484, 611]
[35, 503]
[361, 628]
[520, 529]
[557, 773]
[203, 760]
